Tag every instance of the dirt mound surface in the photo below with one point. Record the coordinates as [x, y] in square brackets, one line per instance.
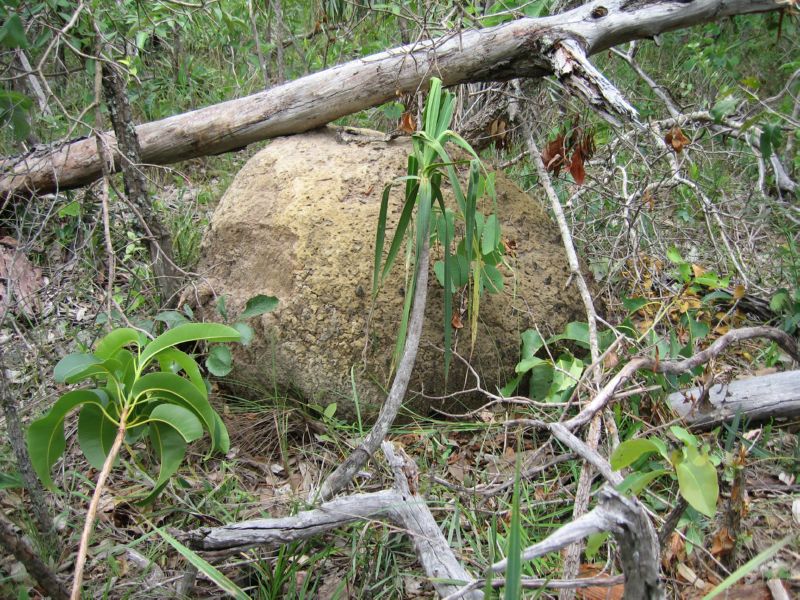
[298, 222]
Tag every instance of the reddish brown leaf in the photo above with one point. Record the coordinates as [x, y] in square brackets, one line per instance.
[553, 155]
[599, 592]
[407, 123]
[722, 542]
[498, 132]
[576, 168]
[456, 321]
[676, 139]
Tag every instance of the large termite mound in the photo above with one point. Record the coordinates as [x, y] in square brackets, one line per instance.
[299, 221]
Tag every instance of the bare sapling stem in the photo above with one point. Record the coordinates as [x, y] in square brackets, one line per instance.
[88, 526]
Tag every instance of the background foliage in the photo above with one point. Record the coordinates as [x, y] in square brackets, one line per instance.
[688, 234]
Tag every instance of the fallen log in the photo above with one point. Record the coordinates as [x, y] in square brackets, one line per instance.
[522, 48]
[757, 399]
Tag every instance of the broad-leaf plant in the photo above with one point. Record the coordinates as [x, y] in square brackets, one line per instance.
[140, 389]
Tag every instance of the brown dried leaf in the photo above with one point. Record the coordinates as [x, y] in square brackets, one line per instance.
[722, 542]
[23, 281]
[649, 199]
[738, 292]
[611, 360]
[456, 321]
[407, 123]
[614, 592]
[676, 139]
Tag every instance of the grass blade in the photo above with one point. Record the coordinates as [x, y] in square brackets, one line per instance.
[513, 590]
[750, 566]
[222, 582]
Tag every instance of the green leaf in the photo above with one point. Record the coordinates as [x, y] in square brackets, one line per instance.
[576, 331]
[180, 419]
[172, 356]
[95, 435]
[45, 437]
[73, 365]
[246, 332]
[637, 481]
[412, 188]
[697, 482]
[172, 318]
[527, 364]
[176, 389]
[222, 582]
[684, 436]
[513, 589]
[716, 295]
[697, 329]
[493, 279]
[780, 300]
[10, 481]
[12, 33]
[491, 235]
[663, 449]
[219, 361]
[119, 338]
[594, 542]
[222, 307]
[258, 305]
[565, 376]
[329, 411]
[724, 107]
[190, 332]
[765, 144]
[532, 342]
[751, 565]
[170, 447]
[629, 451]
[675, 256]
[634, 304]
[770, 139]
[221, 434]
[71, 209]
[393, 110]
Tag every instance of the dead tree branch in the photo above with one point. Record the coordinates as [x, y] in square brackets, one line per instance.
[773, 396]
[343, 475]
[677, 367]
[522, 48]
[401, 506]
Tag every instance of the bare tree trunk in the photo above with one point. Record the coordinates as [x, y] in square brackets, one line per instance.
[280, 69]
[522, 48]
[261, 60]
[160, 242]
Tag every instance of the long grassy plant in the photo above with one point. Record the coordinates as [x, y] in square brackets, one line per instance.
[474, 260]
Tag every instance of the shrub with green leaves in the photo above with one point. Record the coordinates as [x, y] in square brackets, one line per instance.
[145, 388]
[480, 251]
[691, 464]
[554, 379]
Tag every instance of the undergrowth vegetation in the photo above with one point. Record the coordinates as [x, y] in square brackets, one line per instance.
[687, 228]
